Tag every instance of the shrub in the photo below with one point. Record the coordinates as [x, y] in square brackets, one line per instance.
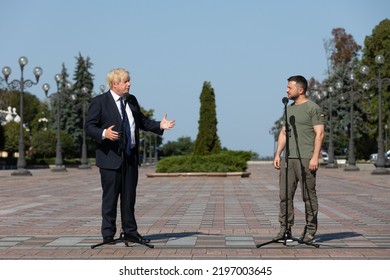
[225, 161]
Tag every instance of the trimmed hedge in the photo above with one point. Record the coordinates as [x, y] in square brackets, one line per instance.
[224, 161]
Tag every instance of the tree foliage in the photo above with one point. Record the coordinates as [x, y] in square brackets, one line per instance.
[207, 140]
[31, 104]
[344, 62]
[345, 48]
[183, 146]
[12, 136]
[341, 92]
[377, 43]
[44, 144]
[10, 133]
[337, 101]
[83, 78]
[61, 101]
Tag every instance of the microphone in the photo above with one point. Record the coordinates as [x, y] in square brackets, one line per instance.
[285, 100]
[126, 98]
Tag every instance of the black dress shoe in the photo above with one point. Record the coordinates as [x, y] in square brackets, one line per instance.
[108, 240]
[136, 238]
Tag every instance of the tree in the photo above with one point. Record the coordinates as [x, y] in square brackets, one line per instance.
[12, 136]
[148, 140]
[68, 115]
[41, 119]
[83, 78]
[342, 51]
[377, 43]
[345, 48]
[44, 143]
[183, 146]
[275, 130]
[31, 106]
[207, 140]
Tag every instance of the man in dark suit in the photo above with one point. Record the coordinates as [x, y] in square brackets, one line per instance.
[117, 155]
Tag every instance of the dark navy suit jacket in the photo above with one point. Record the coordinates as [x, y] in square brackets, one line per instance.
[103, 113]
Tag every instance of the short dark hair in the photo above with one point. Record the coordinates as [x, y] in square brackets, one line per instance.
[300, 80]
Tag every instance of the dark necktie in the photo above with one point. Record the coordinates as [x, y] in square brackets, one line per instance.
[126, 128]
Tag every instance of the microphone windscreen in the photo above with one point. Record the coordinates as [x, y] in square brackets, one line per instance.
[126, 97]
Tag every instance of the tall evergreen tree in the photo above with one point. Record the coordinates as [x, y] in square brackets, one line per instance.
[62, 95]
[83, 78]
[68, 113]
[207, 140]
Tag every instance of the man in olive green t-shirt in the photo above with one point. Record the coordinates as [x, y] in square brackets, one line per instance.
[306, 134]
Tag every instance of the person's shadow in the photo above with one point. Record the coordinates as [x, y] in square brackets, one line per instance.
[172, 235]
[336, 236]
[165, 237]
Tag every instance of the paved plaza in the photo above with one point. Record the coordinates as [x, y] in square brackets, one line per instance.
[56, 215]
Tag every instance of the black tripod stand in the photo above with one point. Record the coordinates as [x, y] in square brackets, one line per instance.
[123, 186]
[287, 233]
[121, 239]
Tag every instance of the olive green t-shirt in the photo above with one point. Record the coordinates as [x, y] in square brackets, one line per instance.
[301, 119]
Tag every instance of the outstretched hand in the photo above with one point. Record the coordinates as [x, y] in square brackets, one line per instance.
[165, 124]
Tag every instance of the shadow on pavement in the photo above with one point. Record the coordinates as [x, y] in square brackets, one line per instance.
[336, 235]
[172, 235]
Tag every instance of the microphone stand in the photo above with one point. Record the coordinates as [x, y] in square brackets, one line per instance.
[124, 169]
[123, 175]
[287, 233]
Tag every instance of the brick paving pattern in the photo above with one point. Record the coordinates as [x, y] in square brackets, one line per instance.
[56, 215]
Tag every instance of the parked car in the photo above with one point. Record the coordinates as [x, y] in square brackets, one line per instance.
[324, 158]
[374, 158]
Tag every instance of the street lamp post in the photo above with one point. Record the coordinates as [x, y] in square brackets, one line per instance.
[380, 164]
[351, 148]
[155, 149]
[59, 166]
[329, 92]
[386, 139]
[144, 158]
[84, 158]
[84, 152]
[331, 161]
[21, 164]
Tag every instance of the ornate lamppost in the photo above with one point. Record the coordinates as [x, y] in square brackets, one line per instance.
[84, 154]
[21, 84]
[380, 81]
[351, 166]
[84, 158]
[386, 139]
[144, 158]
[317, 95]
[59, 166]
[331, 161]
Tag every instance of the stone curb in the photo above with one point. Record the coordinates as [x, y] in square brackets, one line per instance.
[199, 174]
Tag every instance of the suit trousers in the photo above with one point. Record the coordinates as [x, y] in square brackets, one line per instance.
[298, 171]
[119, 183]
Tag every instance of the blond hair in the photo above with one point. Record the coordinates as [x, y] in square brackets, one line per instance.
[117, 75]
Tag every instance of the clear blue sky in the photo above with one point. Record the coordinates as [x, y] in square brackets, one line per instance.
[245, 48]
